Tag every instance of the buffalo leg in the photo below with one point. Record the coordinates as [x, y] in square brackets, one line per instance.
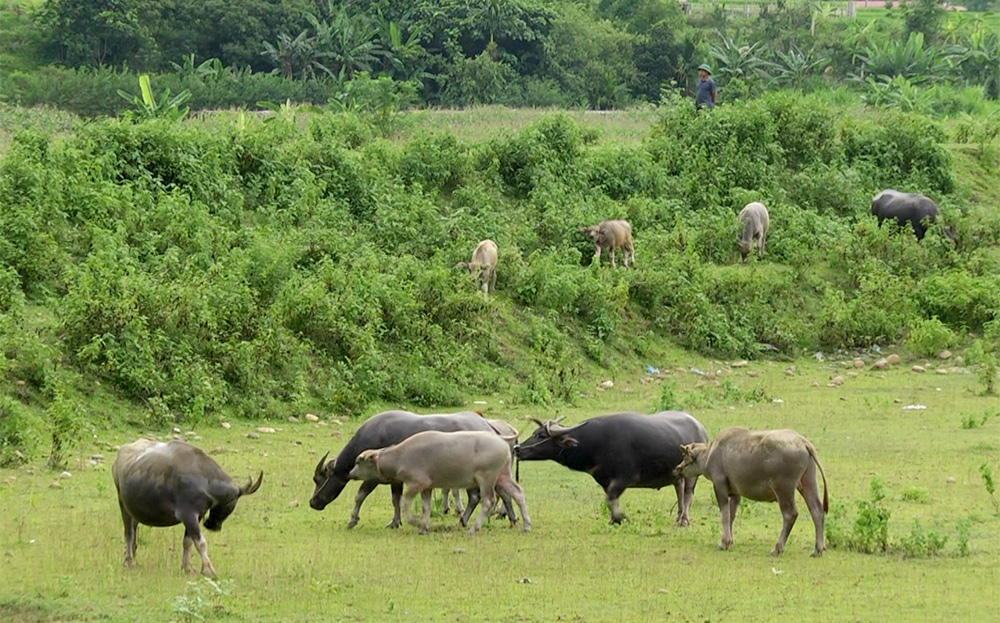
[614, 492]
[397, 494]
[789, 513]
[727, 510]
[507, 485]
[194, 536]
[366, 487]
[471, 506]
[130, 535]
[489, 499]
[458, 500]
[810, 493]
[613, 258]
[411, 492]
[425, 497]
[682, 503]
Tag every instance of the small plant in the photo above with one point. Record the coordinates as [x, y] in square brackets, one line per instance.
[929, 337]
[668, 396]
[971, 421]
[201, 599]
[149, 107]
[919, 544]
[871, 528]
[985, 353]
[987, 473]
[964, 533]
[915, 494]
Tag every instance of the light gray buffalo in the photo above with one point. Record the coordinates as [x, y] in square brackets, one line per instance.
[917, 210]
[510, 435]
[612, 235]
[756, 222]
[436, 460]
[766, 466]
[483, 266]
[164, 484]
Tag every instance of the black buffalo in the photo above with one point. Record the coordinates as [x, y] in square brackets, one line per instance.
[620, 451]
[917, 210]
[164, 484]
[382, 430]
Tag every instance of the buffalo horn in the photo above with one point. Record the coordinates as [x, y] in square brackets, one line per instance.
[251, 485]
[322, 464]
[535, 420]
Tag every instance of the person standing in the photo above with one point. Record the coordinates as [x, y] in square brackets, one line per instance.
[706, 88]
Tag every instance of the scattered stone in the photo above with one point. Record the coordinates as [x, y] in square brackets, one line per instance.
[919, 369]
[92, 463]
[226, 425]
[297, 442]
[820, 357]
[458, 550]
[292, 419]
[526, 581]
[682, 369]
[479, 402]
[55, 485]
[893, 359]
[950, 480]
[293, 504]
[790, 371]
[97, 457]
[815, 383]
[190, 433]
[218, 450]
[959, 360]
[177, 431]
[265, 429]
[321, 423]
[65, 475]
[607, 384]
[253, 435]
[897, 400]
[852, 373]
[739, 364]
[837, 381]
[941, 371]
[858, 363]
[777, 401]
[843, 398]
[753, 373]
[880, 364]
[311, 418]
[945, 354]
[914, 407]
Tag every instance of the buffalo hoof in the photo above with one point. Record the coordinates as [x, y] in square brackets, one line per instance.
[353, 522]
[816, 553]
[395, 523]
[724, 546]
[683, 522]
[617, 520]
[423, 530]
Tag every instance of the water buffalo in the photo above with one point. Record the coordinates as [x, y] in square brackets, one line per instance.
[483, 266]
[766, 466]
[755, 222]
[434, 460]
[612, 235]
[917, 210]
[620, 451]
[383, 430]
[164, 484]
[510, 435]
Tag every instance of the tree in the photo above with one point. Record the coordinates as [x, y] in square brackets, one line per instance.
[96, 32]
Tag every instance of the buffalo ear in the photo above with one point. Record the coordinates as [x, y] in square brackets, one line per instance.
[686, 450]
[568, 442]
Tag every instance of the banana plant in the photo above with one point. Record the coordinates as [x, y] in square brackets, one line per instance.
[793, 67]
[148, 106]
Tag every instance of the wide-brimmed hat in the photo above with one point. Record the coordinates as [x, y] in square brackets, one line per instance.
[705, 67]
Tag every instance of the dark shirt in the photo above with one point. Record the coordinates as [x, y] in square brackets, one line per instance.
[706, 89]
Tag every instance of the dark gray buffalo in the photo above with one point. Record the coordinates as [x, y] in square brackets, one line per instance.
[163, 484]
[917, 210]
[620, 451]
[383, 430]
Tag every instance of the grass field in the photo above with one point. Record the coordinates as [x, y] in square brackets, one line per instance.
[279, 560]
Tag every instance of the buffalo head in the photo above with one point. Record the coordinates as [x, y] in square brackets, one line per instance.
[547, 442]
[693, 463]
[328, 484]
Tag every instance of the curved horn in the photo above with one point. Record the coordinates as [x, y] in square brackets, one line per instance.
[321, 464]
[251, 485]
[535, 420]
[554, 430]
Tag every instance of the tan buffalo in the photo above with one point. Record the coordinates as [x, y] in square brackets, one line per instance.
[612, 235]
[483, 266]
[436, 460]
[766, 466]
[756, 222]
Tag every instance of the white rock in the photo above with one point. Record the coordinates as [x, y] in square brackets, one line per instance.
[253, 435]
[945, 354]
[226, 425]
[293, 420]
[265, 429]
[607, 384]
[919, 369]
[740, 364]
[65, 475]
[950, 480]
[311, 418]
[893, 359]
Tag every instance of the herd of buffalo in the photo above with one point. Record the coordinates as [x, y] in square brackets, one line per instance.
[170, 483]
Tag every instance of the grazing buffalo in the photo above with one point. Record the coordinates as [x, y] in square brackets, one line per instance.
[510, 435]
[383, 430]
[612, 235]
[766, 466]
[483, 266]
[435, 460]
[164, 484]
[756, 222]
[917, 210]
[620, 451]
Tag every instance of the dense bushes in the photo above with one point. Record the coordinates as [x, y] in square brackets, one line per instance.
[257, 267]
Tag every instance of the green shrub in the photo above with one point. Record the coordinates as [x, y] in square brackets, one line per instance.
[959, 299]
[929, 337]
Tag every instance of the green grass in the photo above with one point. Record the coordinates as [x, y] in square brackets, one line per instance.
[62, 548]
